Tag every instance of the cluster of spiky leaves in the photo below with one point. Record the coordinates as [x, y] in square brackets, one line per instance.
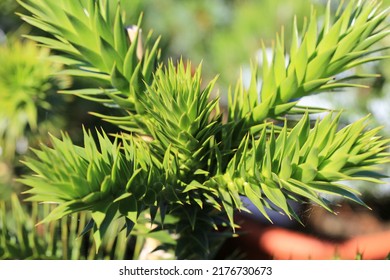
[107, 179]
[313, 61]
[133, 175]
[176, 156]
[93, 38]
[26, 83]
[305, 162]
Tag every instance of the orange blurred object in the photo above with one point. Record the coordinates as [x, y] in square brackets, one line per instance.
[274, 242]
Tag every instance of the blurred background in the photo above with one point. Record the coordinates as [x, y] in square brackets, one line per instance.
[225, 35]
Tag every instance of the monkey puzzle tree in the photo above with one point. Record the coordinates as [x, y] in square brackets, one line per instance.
[175, 154]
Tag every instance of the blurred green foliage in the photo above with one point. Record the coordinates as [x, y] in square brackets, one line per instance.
[27, 87]
[22, 238]
[222, 33]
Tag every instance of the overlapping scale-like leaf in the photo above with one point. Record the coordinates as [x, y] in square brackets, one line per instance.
[306, 162]
[313, 61]
[107, 178]
[182, 115]
[97, 46]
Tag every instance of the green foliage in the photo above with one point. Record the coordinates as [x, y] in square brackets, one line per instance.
[109, 183]
[7, 7]
[175, 160]
[21, 238]
[97, 47]
[26, 85]
[305, 162]
[314, 60]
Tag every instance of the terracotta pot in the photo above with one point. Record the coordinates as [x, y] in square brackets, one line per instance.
[260, 242]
